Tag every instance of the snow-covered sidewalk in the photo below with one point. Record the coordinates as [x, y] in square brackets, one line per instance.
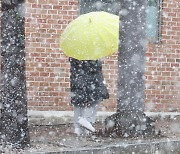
[64, 117]
[60, 140]
[52, 133]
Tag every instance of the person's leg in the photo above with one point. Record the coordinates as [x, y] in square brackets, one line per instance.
[89, 115]
[78, 112]
[90, 112]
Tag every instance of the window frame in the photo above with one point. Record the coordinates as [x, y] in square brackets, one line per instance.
[158, 37]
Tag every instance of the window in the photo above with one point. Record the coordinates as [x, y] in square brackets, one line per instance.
[153, 16]
[153, 20]
[111, 6]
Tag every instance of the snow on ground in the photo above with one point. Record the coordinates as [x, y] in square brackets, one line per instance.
[59, 136]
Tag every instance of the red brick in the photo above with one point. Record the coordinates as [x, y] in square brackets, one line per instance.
[48, 67]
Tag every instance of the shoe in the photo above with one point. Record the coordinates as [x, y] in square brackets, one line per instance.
[77, 131]
[86, 124]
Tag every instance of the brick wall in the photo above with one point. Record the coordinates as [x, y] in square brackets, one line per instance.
[48, 68]
[163, 63]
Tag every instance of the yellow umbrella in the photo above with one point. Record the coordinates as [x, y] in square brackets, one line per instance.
[91, 36]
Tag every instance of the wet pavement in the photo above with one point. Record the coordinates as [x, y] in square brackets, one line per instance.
[59, 138]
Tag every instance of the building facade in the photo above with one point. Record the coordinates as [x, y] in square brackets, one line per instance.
[47, 68]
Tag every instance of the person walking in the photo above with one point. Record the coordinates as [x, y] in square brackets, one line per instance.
[87, 91]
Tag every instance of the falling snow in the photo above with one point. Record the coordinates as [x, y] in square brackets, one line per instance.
[129, 130]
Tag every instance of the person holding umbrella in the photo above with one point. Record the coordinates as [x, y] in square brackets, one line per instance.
[87, 91]
[85, 40]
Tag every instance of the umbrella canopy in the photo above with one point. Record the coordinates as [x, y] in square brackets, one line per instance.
[91, 36]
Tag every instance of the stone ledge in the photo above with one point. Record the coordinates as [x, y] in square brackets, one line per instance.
[165, 146]
[64, 117]
[123, 146]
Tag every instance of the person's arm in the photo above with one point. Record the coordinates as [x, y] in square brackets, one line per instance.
[94, 66]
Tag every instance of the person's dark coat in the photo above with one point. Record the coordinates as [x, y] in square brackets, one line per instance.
[86, 81]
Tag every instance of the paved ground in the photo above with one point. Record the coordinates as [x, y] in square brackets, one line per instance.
[60, 139]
